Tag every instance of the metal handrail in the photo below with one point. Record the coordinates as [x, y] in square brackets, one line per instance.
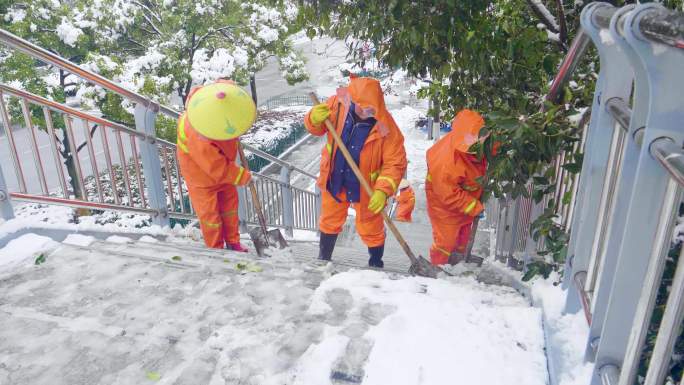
[580, 279]
[670, 157]
[659, 26]
[4, 88]
[575, 53]
[620, 111]
[46, 56]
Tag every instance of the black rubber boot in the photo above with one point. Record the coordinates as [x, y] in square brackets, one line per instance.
[326, 245]
[376, 254]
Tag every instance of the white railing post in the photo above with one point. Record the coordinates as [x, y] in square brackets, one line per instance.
[609, 255]
[651, 211]
[288, 201]
[611, 83]
[6, 210]
[145, 118]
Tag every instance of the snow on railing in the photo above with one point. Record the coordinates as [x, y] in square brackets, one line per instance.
[625, 203]
[144, 177]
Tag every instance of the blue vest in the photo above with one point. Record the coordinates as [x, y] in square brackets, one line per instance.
[354, 135]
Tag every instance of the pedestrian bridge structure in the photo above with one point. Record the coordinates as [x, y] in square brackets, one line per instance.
[104, 307]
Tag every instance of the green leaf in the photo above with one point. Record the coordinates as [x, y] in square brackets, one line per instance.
[573, 167]
[40, 259]
[532, 271]
[153, 376]
[176, 258]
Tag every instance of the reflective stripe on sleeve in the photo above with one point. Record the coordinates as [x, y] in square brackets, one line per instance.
[239, 175]
[470, 206]
[390, 180]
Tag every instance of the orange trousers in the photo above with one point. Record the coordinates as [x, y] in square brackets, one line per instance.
[369, 226]
[447, 238]
[217, 210]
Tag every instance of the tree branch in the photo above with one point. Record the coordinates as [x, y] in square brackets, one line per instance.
[92, 132]
[543, 14]
[563, 27]
[141, 5]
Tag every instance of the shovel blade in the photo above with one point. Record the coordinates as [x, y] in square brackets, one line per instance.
[423, 268]
[259, 241]
[475, 259]
[275, 238]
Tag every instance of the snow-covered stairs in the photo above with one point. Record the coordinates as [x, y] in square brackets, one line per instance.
[132, 312]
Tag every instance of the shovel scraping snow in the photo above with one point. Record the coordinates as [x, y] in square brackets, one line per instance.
[419, 265]
[261, 236]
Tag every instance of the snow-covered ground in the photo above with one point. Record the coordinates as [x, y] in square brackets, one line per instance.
[121, 312]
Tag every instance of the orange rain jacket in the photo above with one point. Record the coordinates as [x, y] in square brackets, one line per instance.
[382, 162]
[406, 201]
[211, 174]
[451, 186]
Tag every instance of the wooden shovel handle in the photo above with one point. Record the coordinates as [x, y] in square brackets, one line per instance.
[364, 183]
[255, 197]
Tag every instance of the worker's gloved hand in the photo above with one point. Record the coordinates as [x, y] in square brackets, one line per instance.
[319, 113]
[480, 215]
[377, 201]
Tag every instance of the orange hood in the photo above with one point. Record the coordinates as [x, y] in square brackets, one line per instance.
[367, 92]
[465, 129]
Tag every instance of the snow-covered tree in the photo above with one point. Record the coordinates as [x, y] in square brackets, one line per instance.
[160, 48]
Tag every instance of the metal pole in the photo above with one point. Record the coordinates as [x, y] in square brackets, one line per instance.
[145, 122]
[6, 211]
[288, 201]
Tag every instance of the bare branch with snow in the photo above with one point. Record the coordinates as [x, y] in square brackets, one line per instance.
[544, 15]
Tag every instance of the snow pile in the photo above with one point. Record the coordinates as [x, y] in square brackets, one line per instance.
[24, 250]
[566, 334]
[79, 240]
[415, 330]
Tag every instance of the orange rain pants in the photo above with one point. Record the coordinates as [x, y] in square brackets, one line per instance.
[211, 174]
[406, 201]
[452, 190]
[217, 211]
[370, 227]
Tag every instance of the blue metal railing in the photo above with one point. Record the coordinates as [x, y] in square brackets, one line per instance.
[626, 201]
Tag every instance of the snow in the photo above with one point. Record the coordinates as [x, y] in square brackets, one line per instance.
[200, 321]
[545, 13]
[79, 240]
[148, 239]
[567, 334]
[658, 49]
[68, 32]
[15, 15]
[24, 250]
[425, 331]
[205, 68]
[606, 37]
[119, 239]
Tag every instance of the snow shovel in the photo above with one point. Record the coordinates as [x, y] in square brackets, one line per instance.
[419, 265]
[261, 236]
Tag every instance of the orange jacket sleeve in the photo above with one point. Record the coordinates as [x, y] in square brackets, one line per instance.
[320, 129]
[214, 163]
[452, 196]
[393, 163]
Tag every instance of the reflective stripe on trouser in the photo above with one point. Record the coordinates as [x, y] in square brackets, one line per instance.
[216, 209]
[370, 227]
[448, 238]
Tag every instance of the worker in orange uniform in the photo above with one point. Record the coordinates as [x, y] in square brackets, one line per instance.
[216, 115]
[374, 140]
[453, 193]
[406, 201]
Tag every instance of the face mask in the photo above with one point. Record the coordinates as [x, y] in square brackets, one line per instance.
[365, 112]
